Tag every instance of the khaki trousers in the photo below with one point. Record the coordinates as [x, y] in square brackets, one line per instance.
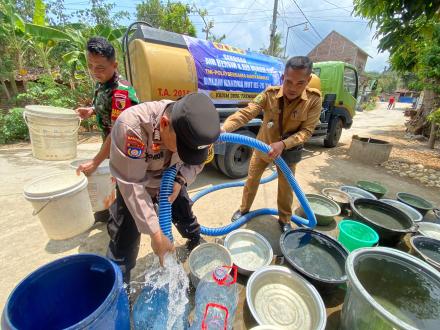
[285, 194]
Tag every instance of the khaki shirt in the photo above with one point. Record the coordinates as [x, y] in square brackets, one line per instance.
[137, 164]
[299, 118]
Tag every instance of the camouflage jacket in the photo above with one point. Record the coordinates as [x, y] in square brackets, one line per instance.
[110, 99]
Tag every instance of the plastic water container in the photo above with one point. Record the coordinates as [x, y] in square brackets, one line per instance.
[53, 131]
[62, 204]
[83, 291]
[354, 235]
[101, 185]
[216, 300]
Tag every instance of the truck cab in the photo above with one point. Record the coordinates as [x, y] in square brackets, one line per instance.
[339, 88]
[163, 65]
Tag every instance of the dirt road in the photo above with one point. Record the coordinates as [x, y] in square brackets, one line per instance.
[24, 245]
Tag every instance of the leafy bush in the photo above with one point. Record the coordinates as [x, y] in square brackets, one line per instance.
[13, 126]
[370, 105]
[47, 92]
[435, 117]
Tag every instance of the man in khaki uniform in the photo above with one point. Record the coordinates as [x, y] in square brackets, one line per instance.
[147, 139]
[290, 114]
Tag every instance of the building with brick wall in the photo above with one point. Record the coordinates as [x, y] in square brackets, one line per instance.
[336, 47]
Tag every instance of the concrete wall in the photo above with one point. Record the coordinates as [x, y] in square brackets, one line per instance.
[335, 47]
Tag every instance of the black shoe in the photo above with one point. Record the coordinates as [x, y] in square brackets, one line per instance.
[191, 244]
[284, 226]
[237, 215]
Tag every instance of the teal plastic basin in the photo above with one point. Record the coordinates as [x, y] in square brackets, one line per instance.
[354, 235]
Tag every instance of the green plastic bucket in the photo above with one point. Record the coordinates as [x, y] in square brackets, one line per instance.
[354, 235]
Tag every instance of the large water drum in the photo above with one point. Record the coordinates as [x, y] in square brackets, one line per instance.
[83, 291]
[101, 186]
[53, 131]
[62, 203]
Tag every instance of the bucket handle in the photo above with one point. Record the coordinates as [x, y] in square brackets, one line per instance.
[34, 213]
[38, 133]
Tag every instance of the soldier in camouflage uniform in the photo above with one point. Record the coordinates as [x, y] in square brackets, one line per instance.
[112, 96]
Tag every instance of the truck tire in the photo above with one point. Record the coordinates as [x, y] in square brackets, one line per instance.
[334, 132]
[235, 162]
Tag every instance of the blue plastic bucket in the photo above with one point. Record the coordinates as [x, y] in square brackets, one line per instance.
[83, 291]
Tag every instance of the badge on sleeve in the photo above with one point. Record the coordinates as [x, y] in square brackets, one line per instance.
[120, 102]
[134, 147]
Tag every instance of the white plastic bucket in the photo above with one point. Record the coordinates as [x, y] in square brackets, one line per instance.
[53, 131]
[62, 203]
[101, 186]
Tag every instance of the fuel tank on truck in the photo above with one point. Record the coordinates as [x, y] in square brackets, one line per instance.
[167, 65]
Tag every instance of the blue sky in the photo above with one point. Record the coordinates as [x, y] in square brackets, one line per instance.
[246, 23]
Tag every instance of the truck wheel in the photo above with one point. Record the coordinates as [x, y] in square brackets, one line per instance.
[334, 133]
[235, 162]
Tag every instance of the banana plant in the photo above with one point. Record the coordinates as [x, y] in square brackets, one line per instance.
[13, 38]
[44, 38]
[76, 58]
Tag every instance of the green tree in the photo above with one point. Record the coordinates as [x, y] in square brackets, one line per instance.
[388, 82]
[209, 25]
[43, 37]
[14, 44]
[410, 31]
[57, 10]
[24, 8]
[100, 13]
[172, 16]
[278, 49]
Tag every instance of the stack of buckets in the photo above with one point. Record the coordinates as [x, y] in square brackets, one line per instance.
[63, 201]
[77, 292]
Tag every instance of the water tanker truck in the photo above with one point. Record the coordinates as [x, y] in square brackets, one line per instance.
[166, 65]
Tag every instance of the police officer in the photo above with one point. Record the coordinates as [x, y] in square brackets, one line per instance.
[147, 139]
[112, 96]
[290, 114]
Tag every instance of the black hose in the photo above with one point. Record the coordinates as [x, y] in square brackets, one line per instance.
[125, 48]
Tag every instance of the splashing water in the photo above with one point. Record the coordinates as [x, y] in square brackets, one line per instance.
[164, 295]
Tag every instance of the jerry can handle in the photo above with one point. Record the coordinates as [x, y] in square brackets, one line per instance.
[213, 306]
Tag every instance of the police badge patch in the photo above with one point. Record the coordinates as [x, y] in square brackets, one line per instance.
[120, 98]
[120, 102]
[134, 147]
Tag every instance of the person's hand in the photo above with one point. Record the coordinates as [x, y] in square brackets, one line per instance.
[161, 245]
[276, 149]
[87, 168]
[84, 113]
[176, 190]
